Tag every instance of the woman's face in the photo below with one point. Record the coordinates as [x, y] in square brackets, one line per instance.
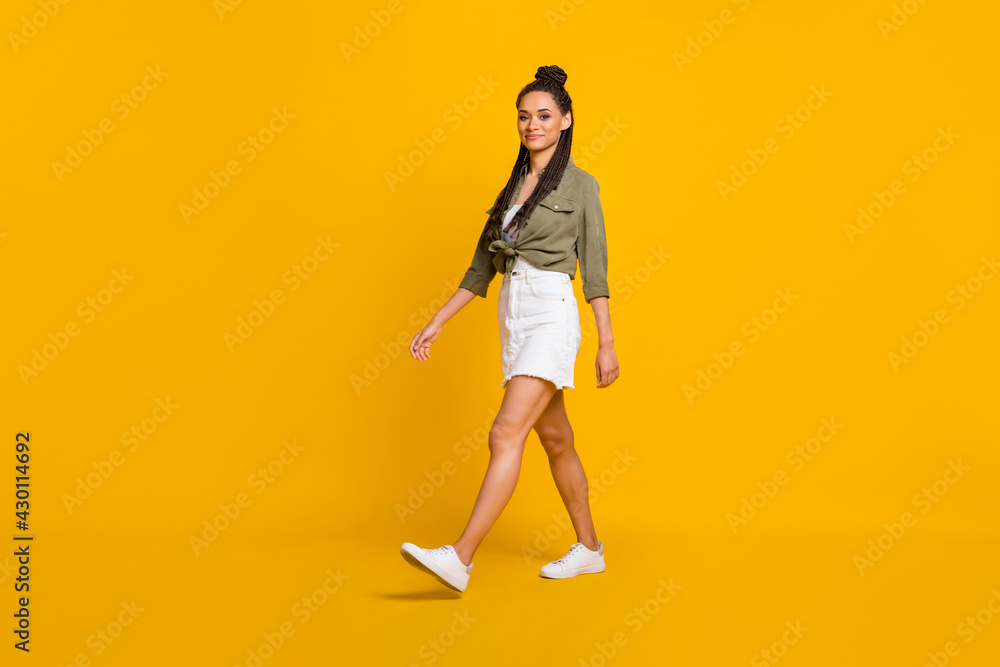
[539, 121]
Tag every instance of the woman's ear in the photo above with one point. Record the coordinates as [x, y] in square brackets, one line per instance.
[567, 120]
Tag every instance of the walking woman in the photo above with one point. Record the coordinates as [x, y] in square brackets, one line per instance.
[546, 217]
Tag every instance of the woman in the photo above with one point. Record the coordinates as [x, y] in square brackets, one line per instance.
[552, 216]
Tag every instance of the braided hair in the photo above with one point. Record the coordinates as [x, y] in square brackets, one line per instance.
[549, 79]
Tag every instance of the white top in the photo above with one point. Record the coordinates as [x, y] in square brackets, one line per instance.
[522, 263]
[506, 220]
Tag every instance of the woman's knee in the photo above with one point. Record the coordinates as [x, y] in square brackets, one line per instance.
[556, 439]
[504, 437]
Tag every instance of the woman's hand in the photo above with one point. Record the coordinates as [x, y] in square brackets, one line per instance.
[420, 347]
[606, 365]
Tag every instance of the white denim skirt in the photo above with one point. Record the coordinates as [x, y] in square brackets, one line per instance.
[539, 325]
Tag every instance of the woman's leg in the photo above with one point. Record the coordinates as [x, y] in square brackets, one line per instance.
[556, 434]
[523, 401]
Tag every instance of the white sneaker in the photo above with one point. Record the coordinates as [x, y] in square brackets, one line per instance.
[578, 560]
[443, 563]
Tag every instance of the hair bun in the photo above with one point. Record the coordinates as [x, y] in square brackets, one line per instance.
[553, 73]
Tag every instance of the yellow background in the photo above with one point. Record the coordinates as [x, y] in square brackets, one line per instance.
[658, 138]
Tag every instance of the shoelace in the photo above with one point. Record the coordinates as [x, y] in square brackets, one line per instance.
[572, 550]
[448, 549]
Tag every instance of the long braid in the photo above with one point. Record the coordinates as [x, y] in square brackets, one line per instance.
[503, 200]
[550, 79]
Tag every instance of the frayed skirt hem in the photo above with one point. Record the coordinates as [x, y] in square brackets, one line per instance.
[507, 379]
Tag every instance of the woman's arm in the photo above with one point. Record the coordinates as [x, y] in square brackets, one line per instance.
[606, 364]
[459, 300]
[593, 251]
[420, 346]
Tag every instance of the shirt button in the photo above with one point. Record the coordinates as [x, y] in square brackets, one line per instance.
[556, 206]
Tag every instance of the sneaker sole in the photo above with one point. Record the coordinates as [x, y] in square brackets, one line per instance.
[590, 569]
[417, 563]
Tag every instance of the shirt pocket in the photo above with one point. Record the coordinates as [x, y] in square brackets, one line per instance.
[558, 203]
[555, 222]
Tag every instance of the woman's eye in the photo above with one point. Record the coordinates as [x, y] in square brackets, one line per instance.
[545, 115]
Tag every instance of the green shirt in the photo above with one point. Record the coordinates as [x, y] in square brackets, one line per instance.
[567, 224]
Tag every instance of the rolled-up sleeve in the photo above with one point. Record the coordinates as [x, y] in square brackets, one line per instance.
[591, 245]
[481, 272]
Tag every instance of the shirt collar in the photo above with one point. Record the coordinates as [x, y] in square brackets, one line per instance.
[524, 167]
